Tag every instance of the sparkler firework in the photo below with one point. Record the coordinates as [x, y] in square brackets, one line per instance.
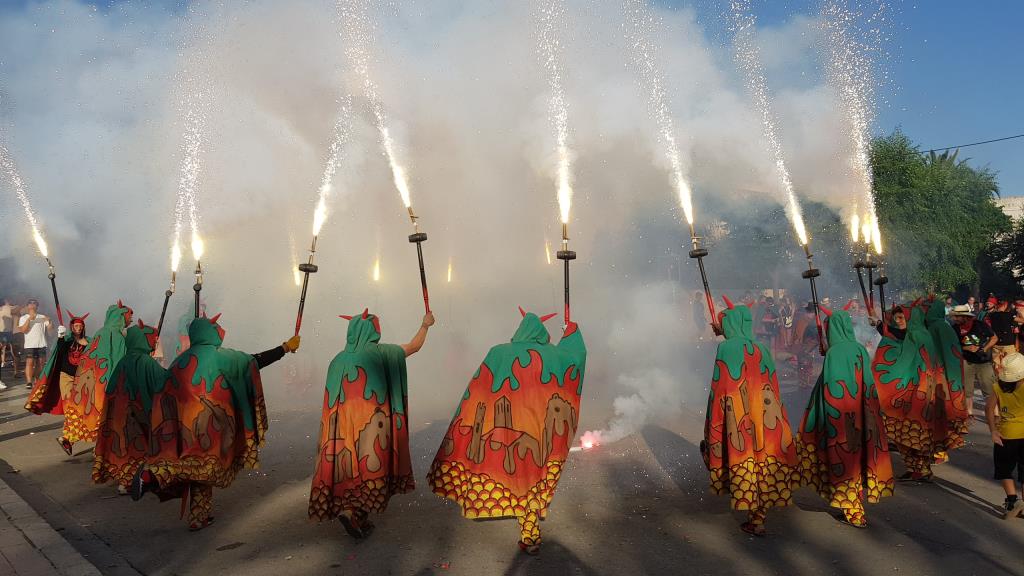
[8, 167]
[639, 29]
[358, 28]
[550, 18]
[342, 130]
[749, 58]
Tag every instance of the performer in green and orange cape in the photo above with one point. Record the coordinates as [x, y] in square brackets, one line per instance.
[123, 442]
[83, 403]
[59, 373]
[363, 454]
[748, 444]
[843, 448]
[504, 450]
[207, 422]
[923, 408]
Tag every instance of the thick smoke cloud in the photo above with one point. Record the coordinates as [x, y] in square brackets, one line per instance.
[95, 124]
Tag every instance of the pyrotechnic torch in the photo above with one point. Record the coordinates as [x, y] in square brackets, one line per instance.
[308, 267]
[858, 264]
[197, 251]
[565, 255]
[41, 244]
[175, 260]
[698, 253]
[882, 279]
[810, 274]
[419, 238]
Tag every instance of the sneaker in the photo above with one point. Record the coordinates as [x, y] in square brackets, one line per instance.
[1011, 508]
[2, 385]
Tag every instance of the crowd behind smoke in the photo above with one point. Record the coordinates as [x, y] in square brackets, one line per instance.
[94, 121]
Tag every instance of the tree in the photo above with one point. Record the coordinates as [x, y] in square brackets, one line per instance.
[937, 214]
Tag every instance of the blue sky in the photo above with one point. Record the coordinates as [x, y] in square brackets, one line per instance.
[955, 72]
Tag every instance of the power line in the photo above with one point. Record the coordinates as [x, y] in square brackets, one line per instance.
[973, 144]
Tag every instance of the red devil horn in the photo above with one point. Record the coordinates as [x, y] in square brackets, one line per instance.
[119, 303]
[215, 318]
[522, 312]
[547, 317]
[916, 303]
[141, 325]
[849, 305]
[345, 316]
[728, 303]
[86, 316]
[366, 313]
[828, 313]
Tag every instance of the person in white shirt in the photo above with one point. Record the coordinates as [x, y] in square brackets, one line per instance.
[34, 326]
[7, 337]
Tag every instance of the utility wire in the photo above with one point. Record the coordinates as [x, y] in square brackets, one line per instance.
[972, 144]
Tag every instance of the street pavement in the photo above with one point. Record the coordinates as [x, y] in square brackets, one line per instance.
[638, 506]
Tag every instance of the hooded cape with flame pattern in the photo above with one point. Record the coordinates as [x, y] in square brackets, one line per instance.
[123, 442]
[210, 419]
[748, 443]
[504, 450]
[363, 453]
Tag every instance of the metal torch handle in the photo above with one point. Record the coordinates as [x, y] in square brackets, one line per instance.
[863, 289]
[302, 303]
[871, 288]
[423, 277]
[56, 300]
[707, 292]
[163, 313]
[817, 317]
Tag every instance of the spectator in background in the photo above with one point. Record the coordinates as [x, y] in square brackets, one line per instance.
[990, 306]
[700, 321]
[7, 337]
[35, 327]
[972, 303]
[1018, 324]
[1001, 321]
[976, 341]
[770, 323]
[949, 305]
[786, 313]
[1004, 411]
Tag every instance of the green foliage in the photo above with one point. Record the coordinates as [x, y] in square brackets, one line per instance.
[1005, 260]
[937, 214]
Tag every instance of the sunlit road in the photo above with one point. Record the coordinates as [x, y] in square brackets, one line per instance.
[639, 506]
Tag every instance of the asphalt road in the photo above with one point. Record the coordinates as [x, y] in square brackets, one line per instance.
[639, 506]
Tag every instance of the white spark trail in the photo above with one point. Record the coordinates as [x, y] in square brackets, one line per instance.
[342, 132]
[358, 30]
[551, 14]
[850, 70]
[9, 168]
[748, 55]
[639, 29]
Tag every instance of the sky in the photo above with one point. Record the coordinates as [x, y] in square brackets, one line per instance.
[953, 74]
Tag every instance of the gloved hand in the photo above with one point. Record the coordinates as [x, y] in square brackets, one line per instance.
[61, 331]
[292, 344]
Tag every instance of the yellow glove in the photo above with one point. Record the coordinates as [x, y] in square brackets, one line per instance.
[292, 344]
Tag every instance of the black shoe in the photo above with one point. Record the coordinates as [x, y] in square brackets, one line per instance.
[1011, 507]
[351, 526]
[140, 484]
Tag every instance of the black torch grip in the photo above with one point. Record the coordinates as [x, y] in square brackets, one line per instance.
[419, 238]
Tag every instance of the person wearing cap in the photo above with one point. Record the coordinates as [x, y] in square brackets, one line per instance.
[35, 327]
[990, 305]
[1004, 411]
[976, 340]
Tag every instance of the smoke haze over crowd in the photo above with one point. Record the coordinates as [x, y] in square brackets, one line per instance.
[92, 117]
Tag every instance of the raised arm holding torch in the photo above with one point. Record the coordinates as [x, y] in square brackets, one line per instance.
[175, 260]
[306, 268]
